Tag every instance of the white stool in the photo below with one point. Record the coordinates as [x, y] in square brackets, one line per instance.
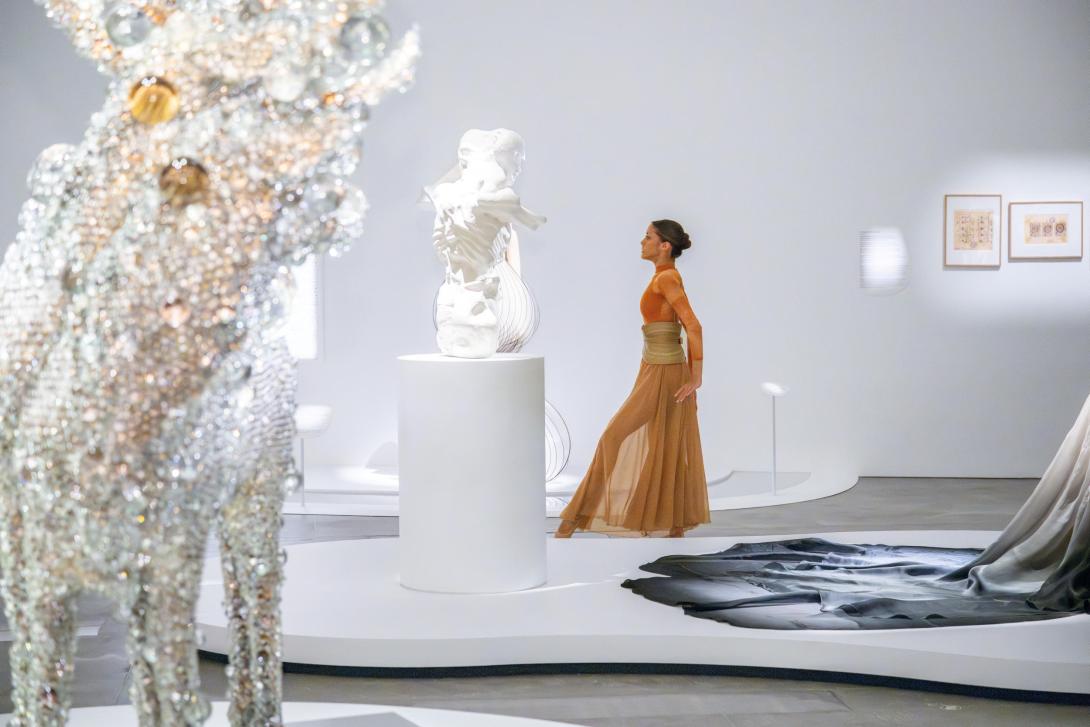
[310, 421]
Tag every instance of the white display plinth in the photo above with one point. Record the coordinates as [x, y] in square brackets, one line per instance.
[471, 451]
[334, 624]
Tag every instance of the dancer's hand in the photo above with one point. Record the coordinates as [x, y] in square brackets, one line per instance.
[689, 389]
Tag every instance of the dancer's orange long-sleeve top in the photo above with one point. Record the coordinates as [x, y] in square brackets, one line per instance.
[665, 301]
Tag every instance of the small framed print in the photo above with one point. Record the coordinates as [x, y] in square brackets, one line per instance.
[1044, 231]
[972, 236]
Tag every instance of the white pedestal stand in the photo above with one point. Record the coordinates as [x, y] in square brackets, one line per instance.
[472, 462]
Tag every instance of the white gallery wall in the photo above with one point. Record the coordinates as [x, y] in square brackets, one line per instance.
[775, 132]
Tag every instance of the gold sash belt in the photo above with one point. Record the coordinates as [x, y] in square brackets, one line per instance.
[662, 343]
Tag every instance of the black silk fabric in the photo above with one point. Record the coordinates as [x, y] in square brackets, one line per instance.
[1038, 568]
[810, 583]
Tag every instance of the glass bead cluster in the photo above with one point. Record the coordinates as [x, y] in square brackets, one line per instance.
[146, 392]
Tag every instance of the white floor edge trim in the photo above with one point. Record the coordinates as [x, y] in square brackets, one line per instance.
[343, 607]
[329, 494]
[320, 714]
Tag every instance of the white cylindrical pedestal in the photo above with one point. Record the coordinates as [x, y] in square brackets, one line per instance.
[471, 451]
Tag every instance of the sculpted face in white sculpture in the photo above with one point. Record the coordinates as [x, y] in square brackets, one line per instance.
[475, 209]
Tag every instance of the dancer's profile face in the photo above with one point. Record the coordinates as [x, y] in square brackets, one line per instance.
[652, 245]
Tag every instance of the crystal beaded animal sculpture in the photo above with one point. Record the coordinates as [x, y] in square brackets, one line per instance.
[145, 387]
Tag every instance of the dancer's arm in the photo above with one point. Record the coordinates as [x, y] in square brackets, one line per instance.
[669, 284]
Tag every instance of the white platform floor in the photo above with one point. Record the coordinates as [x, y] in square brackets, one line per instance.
[368, 491]
[343, 607]
[318, 714]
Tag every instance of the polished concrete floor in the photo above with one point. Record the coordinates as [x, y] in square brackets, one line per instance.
[649, 701]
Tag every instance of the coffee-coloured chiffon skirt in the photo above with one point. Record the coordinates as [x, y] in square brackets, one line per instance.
[647, 476]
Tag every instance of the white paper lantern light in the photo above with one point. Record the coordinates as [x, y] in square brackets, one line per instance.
[883, 259]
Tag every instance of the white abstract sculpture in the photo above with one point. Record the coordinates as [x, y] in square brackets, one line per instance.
[475, 209]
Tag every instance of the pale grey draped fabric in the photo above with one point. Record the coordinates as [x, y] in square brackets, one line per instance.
[1046, 548]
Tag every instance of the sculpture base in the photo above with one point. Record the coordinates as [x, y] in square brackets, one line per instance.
[471, 464]
[373, 491]
[368, 625]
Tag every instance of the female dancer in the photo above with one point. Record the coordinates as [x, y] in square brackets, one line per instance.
[647, 476]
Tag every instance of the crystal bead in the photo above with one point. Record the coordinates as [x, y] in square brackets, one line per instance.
[48, 167]
[183, 181]
[244, 396]
[353, 208]
[175, 313]
[181, 30]
[153, 100]
[292, 483]
[284, 82]
[126, 24]
[365, 37]
[322, 195]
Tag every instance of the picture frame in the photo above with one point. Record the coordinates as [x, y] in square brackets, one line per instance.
[972, 230]
[1044, 231]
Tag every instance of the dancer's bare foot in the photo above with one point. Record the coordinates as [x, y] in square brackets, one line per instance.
[567, 527]
[677, 532]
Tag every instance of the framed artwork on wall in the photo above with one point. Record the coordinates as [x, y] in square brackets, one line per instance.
[971, 237]
[1044, 231]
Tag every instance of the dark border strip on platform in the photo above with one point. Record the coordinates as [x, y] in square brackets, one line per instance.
[815, 675]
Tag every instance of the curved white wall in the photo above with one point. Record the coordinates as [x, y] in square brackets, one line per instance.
[774, 131]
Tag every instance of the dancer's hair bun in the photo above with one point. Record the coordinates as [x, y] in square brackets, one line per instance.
[673, 233]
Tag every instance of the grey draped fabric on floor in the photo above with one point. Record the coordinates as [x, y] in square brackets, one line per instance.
[1038, 568]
